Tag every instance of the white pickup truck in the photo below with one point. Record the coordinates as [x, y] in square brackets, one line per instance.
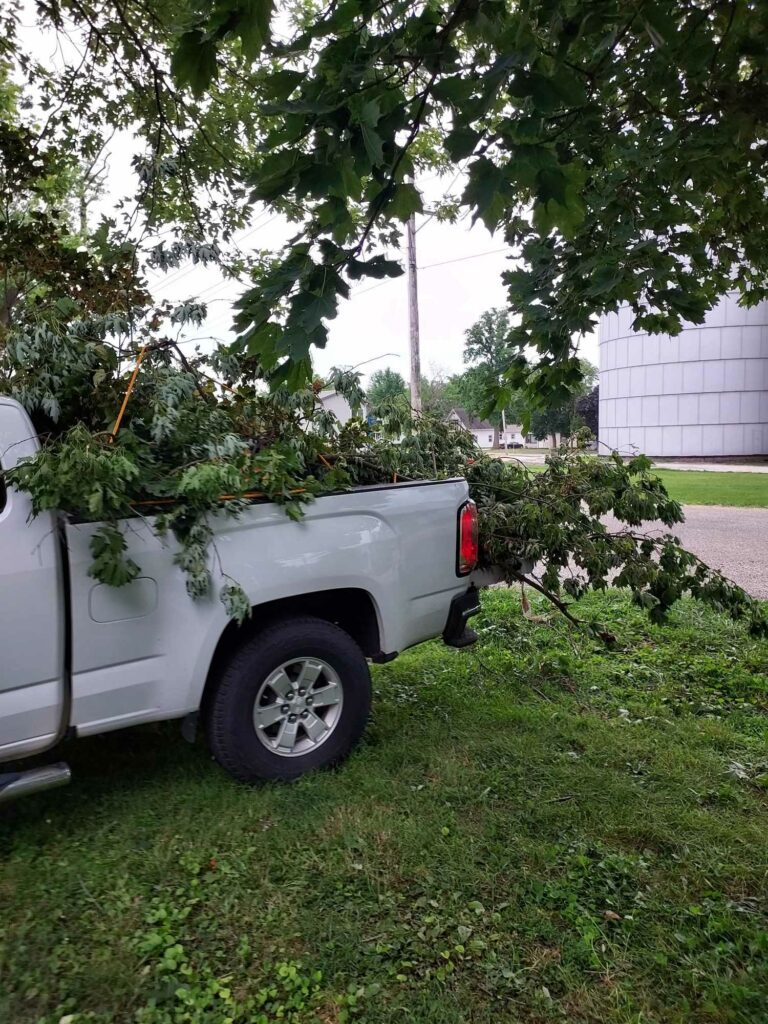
[363, 576]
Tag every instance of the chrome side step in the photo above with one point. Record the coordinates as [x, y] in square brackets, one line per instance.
[34, 780]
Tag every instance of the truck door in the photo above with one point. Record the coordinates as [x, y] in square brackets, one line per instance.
[31, 607]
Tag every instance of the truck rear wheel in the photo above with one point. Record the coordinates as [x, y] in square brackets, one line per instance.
[294, 697]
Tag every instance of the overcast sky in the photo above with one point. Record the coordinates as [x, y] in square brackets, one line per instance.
[459, 277]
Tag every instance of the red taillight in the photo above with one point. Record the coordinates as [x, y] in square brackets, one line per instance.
[468, 539]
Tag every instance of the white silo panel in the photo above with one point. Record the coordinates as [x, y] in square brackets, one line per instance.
[689, 347]
[733, 437]
[650, 410]
[669, 411]
[735, 374]
[650, 349]
[730, 343]
[693, 377]
[652, 440]
[749, 407]
[673, 378]
[730, 407]
[637, 381]
[714, 375]
[717, 316]
[689, 408]
[752, 341]
[735, 314]
[691, 441]
[654, 380]
[635, 352]
[672, 440]
[712, 438]
[709, 343]
[709, 408]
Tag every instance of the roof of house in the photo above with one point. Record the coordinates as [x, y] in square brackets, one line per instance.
[470, 422]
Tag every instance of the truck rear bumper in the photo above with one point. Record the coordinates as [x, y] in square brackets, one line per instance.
[457, 633]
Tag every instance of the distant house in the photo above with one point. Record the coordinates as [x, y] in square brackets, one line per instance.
[484, 433]
[337, 404]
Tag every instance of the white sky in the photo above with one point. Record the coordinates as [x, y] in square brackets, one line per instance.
[459, 278]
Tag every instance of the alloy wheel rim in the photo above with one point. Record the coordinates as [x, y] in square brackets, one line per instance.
[298, 706]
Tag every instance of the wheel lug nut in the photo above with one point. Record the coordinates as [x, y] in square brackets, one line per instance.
[302, 692]
[284, 709]
[291, 718]
[309, 701]
[304, 714]
[289, 695]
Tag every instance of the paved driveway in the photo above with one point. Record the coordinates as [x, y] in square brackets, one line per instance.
[733, 540]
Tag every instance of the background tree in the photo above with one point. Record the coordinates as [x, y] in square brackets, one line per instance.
[588, 410]
[386, 386]
[549, 424]
[435, 399]
[562, 420]
[486, 351]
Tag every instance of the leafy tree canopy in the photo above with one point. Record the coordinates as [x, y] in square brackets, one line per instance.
[385, 386]
[619, 147]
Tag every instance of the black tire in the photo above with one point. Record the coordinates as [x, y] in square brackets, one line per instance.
[232, 735]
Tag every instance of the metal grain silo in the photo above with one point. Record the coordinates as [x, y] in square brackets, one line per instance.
[702, 393]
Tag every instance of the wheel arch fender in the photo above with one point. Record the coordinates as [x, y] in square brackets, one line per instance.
[352, 609]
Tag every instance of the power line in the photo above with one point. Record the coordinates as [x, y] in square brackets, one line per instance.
[181, 273]
[460, 259]
[429, 266]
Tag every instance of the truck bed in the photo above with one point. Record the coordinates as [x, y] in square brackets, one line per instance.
[142, 652]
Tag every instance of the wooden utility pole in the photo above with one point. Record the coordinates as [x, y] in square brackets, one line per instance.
[413, 317]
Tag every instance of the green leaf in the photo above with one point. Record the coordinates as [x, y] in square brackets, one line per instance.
[282, 83]
[460, 143]
[261, 342]
[485, 192]
[110, 564]
[374, 146]
[405, 201]
[376, 267]
[235, 601]
[253, 25]
[347, 184]
[605, 280]
[309, 309]
[194, 61]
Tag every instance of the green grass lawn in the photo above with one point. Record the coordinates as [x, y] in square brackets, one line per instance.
[699, 488]
[535, 831]
[740, 489]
